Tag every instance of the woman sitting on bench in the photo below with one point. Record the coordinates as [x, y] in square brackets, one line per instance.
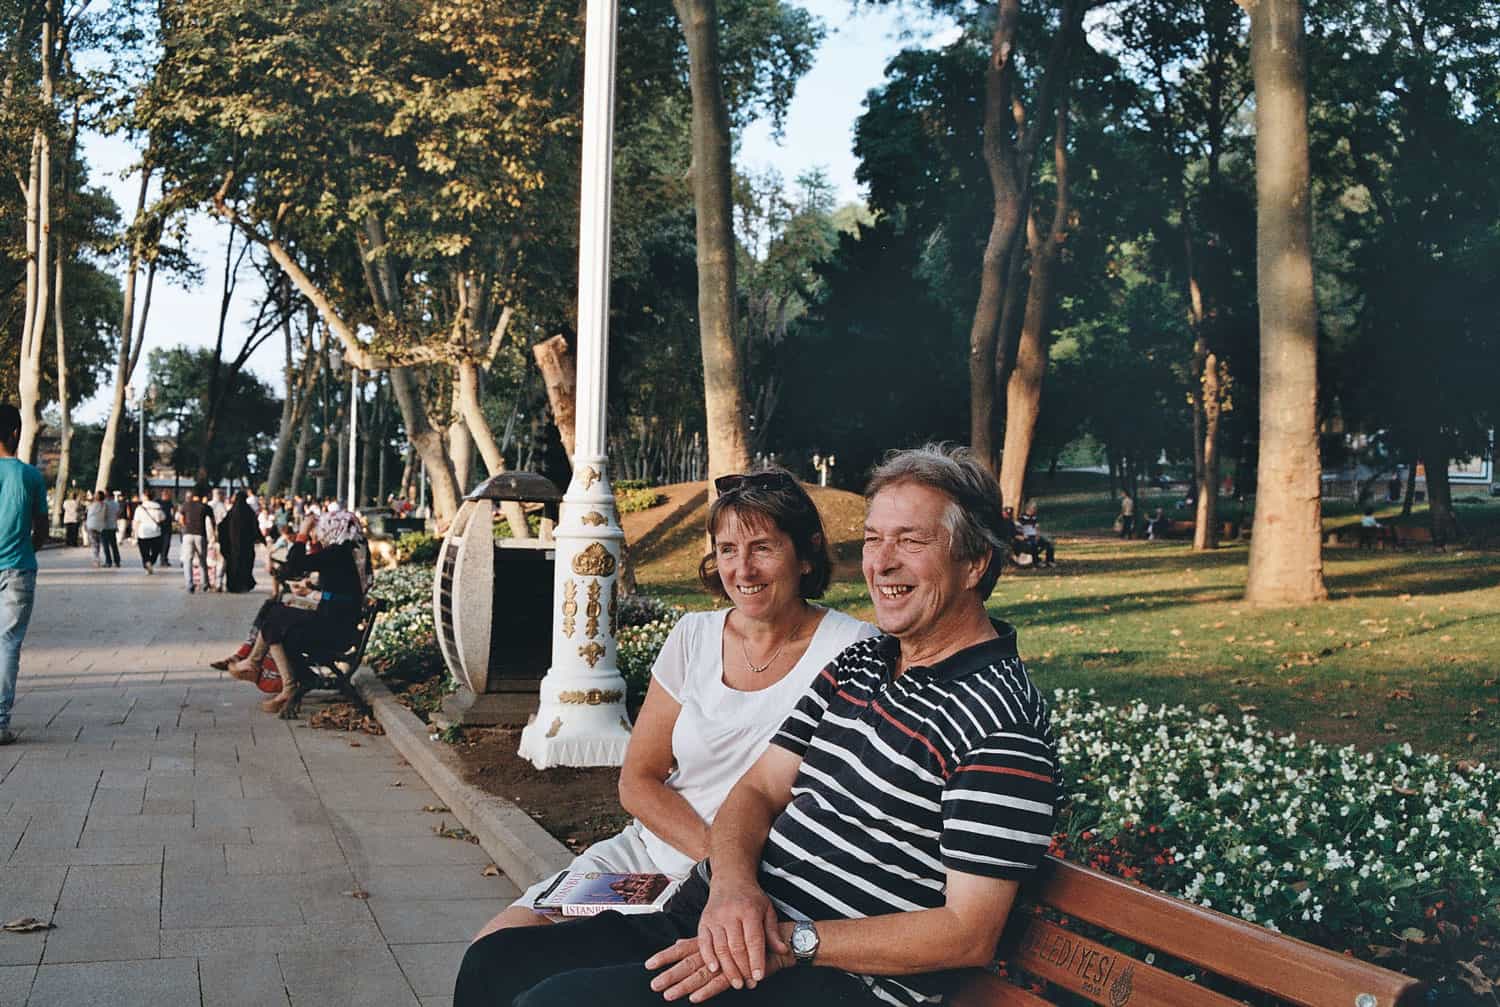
[306, 617]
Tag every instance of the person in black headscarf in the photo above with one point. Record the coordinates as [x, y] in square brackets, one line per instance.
[237, 539]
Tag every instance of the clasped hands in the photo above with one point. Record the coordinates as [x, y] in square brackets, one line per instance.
[739, 944]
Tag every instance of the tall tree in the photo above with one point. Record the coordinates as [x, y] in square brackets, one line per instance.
[723, 367]
[1286, 551]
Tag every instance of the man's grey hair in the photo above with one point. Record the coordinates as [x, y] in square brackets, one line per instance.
[972, 516]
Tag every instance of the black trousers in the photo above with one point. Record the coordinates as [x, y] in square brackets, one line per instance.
[107, 538]
[598, 961]
[149, 547]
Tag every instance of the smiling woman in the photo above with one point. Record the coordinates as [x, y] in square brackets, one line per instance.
[723, 682]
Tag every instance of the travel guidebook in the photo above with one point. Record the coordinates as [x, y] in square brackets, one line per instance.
[585, 893]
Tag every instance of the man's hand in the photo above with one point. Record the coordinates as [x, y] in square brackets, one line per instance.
[686, 975]
[737, 924]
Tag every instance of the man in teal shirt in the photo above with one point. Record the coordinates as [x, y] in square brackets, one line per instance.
[23, 529]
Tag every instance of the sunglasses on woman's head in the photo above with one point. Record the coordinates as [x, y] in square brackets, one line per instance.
[756, 481]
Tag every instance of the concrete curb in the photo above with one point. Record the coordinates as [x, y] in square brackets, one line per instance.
[519, 846]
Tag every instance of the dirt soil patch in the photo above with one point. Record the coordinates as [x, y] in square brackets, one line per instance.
[578, 806]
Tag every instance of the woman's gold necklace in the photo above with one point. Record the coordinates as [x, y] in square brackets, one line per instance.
[756, 669]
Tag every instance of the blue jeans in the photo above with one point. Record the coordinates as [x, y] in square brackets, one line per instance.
[17, 593]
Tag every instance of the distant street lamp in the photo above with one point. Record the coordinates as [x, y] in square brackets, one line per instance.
[823, 464]
[140, 459]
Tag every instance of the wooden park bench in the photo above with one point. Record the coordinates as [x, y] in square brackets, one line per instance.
[333, 666]
[1234, 961]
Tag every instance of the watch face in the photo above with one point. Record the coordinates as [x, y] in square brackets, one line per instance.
[804, 940]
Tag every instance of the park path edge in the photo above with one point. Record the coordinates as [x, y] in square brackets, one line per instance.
[521, 848]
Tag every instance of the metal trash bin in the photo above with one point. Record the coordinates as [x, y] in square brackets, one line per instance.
[492, 605]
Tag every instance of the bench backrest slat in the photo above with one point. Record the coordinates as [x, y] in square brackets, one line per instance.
[1290, 969]
[1102, 974]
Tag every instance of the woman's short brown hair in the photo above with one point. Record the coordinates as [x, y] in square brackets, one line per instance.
[772, 495]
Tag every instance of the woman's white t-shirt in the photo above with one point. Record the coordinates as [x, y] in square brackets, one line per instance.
[720, 731]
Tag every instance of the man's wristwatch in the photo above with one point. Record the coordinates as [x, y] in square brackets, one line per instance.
[804, 942]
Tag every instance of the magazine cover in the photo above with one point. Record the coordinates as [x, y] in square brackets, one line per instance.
[584, 893]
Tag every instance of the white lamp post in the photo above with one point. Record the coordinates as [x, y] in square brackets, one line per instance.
[353, 437]
[580, 719]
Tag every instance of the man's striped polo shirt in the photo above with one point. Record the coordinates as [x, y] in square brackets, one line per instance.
[947, 768]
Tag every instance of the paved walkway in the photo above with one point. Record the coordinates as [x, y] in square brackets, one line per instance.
[192, 850]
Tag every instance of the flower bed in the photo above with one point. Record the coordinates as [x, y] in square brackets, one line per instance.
[403, 648]
[1390, 856]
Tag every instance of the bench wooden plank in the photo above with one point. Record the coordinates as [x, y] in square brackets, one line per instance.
[1293, 970]
[1103, 974]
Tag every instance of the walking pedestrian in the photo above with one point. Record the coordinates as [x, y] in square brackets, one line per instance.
[93, 524]
[70, 518]
[169, 511]
[23, 530]
[195, 520]
[147, 526]
[238, 535]
[109, 538]
[1126, 520]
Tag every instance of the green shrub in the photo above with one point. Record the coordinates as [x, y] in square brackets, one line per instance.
[410, 584]
[1386, 854]
[638, 647]
[632, 500]
[404, 645]
[621, 485]
[533, 521]
[417, 547]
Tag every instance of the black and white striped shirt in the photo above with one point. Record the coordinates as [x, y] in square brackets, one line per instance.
[947, 768]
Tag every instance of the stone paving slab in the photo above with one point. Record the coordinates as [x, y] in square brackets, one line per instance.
[192, 850]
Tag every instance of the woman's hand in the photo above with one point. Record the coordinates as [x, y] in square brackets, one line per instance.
[737, 928]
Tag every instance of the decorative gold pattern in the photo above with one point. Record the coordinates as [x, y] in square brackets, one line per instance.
[556, 726]
[590, 652]
[569, 607]
[592, 697]
[589, 476]
[595, 561]
[594, 519]
[614, 610]
[594, 610]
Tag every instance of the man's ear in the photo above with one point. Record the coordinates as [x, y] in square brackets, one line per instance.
[977, 569]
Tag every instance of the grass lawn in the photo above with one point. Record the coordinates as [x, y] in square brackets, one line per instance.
[1407, 648]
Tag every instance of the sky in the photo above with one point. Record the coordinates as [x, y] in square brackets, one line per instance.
[819, 132]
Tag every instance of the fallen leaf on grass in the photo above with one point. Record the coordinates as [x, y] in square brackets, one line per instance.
[1349, 715]
[1401, 694]
[1389, 727]
[1249, 708]
[490, 871]
[358, 893]
[434, 808]
[26, 925]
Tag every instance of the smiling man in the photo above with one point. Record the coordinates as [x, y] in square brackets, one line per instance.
[880, 841]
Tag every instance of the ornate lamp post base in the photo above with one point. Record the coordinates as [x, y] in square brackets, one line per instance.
[580, 718]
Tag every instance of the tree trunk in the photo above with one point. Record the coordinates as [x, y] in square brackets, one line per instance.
[554, 358]
[1439, 491]
[1023, 390]
[1286, 549]
[299, 461]
[130, 338]
[479, 429]
[1206, 516]
[441, 486]
[38, 252]
[373, 436]
[1410, 496]
[461, 450]
[64, 404]
[723, 372]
